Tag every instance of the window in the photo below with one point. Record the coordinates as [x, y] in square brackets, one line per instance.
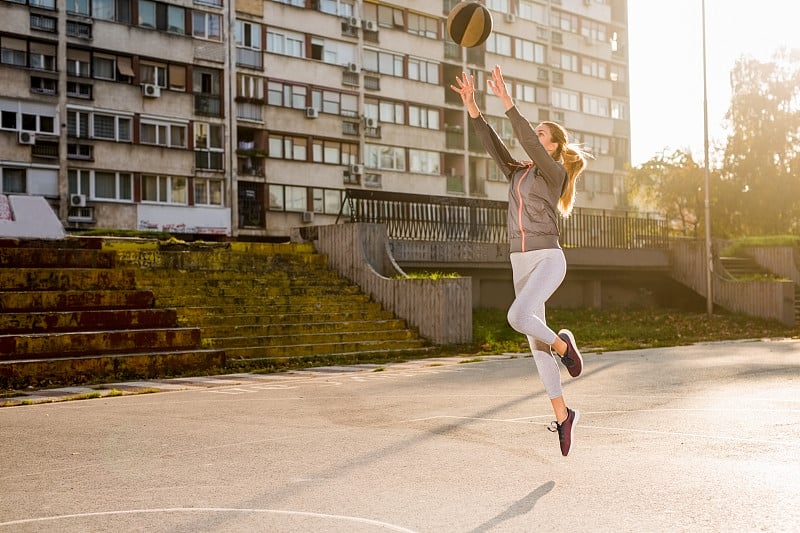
[251, 87]
[21, 116]
[295, 198]
[619, 110]
[13, 51]
[79, 90]
[78, 7]
[565, 100]
[566, 61]
[287, 147]
[78, 63]
[384, 157]
[286, 43]
[165, 17]
[112, 186]
[529, 51]
[383, 62]
[104, 68]
[334, 102]
[564, 21]
[595, 105]
[208, 191]
[391, 112]
[286, 95]
[117, 10]
[423, 117]
[248, 35]
[208, 146]
[594, 67]
[14, 180]
[153, 73]
[423, 25]
[593, 30]
[499, 44]
[422, 70]
[296, 3]
[333, 152]
[424, 161]
[44, 85]
[530, 10]
[79, 181]
[162, 133]
[206, 26]
[42, 23]
[164, 189]
[342, 8]
[530, 93]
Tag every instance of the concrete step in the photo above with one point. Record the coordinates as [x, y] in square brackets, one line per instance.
[223, 261]
[256, 300]
[20, 373]
[298, 328]
[242, 316]
[353, 337]
[182, 281]
[66, 279]
[36, 301]
[51, 321]
[328, 349]
[43, 345]
[55, 258]
[200, 293]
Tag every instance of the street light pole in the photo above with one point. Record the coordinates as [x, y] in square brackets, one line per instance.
[707, 201]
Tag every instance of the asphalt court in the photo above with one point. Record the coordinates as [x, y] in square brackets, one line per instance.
[695, 438]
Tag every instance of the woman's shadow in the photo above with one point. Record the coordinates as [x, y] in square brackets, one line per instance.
[520, 507]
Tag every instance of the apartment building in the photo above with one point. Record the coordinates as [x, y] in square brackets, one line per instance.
[247, 118]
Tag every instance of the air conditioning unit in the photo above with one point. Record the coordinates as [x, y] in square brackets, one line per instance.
[370, 122]
[151, 90]
[308, 216]
[356, 170]
[26, 137]
[353, 67]
[510, 17]
[312, 112]
[370, 25]
[77, 200]
[354, 22]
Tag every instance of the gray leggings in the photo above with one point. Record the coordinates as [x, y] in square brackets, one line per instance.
[537, 275]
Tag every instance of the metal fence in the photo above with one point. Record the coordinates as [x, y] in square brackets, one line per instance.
[442, 218]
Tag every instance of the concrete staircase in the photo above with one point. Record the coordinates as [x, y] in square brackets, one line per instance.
[269, 305]
[80, 311]
[748, 268]
[68, 315]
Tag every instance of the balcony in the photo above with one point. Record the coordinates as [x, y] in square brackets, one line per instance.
[208, 104]
[208, 160]
[247, 57]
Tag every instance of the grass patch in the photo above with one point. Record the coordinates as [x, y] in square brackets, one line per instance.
[430, 275]
[473, 360]
[734, 247]
[611, 330]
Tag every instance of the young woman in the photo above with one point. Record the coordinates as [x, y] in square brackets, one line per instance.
[537, 190]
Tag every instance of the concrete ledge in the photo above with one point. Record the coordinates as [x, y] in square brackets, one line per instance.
[31, 218]
[441, 310]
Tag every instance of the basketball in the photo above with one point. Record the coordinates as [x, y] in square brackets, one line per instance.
[469, 24]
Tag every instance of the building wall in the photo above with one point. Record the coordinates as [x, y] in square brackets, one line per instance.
[262, 191]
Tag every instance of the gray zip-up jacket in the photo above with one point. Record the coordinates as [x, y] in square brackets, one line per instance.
[534, 186]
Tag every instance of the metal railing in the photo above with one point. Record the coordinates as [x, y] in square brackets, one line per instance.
[442, 218]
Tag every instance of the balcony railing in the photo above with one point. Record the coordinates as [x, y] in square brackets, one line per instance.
[443, 218]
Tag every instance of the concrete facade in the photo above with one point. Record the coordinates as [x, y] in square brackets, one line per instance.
[250, 117]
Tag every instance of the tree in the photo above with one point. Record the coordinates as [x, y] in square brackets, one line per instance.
[670, 184]
[759, 187]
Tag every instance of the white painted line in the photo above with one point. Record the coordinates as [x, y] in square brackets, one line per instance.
[356, 519]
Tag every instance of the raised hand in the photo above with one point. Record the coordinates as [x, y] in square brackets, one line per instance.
[465, 87]
[498, 87]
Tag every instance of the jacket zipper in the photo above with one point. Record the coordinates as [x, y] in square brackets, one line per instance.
[519, 207]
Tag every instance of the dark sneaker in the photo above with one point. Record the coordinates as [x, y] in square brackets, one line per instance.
[572, 357]
[566, 430]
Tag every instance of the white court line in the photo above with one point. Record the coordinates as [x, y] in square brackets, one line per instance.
[617, 429]
[356, 519]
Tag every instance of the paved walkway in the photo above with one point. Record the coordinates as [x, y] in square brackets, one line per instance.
[697, 438]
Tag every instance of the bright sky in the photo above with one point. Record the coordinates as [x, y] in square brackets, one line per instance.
[666, 65]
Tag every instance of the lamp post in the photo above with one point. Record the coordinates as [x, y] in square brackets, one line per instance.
[707, 200]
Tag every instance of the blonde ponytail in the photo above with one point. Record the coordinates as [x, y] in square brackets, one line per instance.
[574, 160]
